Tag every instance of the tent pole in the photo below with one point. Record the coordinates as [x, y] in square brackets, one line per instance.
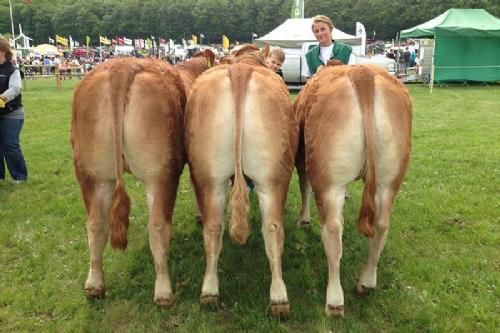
[432, 76]
[433, 67]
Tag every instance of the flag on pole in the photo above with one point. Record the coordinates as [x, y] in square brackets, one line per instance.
[254, 34]
[87, 39]
[51, 41]
[202, 36]
[361, 32]
[71, 43]
[297, 9]
[61, 40]
[195, 39]
[225, 42]
[104, 40]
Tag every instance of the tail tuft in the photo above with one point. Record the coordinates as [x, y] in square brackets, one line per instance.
[120, 211]
[239, 229]
[367, 211]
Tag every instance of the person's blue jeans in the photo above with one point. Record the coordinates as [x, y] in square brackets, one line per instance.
[10, 150]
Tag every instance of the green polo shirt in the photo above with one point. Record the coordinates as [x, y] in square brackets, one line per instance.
[340, 52]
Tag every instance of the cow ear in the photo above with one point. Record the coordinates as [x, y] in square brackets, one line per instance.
[265, 51]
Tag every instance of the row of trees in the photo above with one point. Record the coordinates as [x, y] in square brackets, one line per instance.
[238, 19]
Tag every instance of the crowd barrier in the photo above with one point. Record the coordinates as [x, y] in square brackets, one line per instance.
[36, 72]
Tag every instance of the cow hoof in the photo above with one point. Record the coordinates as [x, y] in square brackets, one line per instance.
[303, 224]
[363, 290]
[166, 303]
[95, 293]
[334, 310]
[209, 299]
[199, 220]
[281, 310]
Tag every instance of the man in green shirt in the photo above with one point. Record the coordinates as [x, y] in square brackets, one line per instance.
[327, 49]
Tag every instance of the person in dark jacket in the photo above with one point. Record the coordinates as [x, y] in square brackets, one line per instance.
[11, 117]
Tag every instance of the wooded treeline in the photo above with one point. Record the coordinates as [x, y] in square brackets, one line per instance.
[177, 19]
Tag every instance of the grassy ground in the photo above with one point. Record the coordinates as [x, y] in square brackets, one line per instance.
[439, 272]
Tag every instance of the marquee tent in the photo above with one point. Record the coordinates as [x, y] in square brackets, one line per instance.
[295, 31]
[46, 50]
[466, 45]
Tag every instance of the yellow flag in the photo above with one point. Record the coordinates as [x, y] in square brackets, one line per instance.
[88, 40]
[104, 40]
[225, 42]
[61, 40]
[195, 39]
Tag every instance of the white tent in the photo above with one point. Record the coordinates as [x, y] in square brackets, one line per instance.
[295, 31]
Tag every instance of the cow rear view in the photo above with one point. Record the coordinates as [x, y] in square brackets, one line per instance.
[239, 121]
[128, 116]
[356, 124]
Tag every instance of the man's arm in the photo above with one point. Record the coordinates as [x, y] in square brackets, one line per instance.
[305, 68]
[352, 59]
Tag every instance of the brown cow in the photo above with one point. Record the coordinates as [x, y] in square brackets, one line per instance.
[356, 122]
[239, 120]
[128, 116]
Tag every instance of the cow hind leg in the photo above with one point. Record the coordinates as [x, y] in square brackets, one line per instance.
[271, 202]
[384, 199]
[98, 198]
[213, 226]
[304, 220]
[332, 203]
[161, 199]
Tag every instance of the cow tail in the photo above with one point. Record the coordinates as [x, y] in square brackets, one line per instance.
[363, 80]
[239, 229]
[120, 80]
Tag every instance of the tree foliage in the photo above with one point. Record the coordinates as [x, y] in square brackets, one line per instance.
[238, 19]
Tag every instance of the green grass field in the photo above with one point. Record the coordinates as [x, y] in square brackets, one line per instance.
[439, 272]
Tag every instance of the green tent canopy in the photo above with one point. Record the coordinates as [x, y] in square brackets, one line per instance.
[466, 44]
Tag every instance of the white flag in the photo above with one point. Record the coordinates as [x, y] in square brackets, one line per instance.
[361, 32]
[254, 34]
[202, 35]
